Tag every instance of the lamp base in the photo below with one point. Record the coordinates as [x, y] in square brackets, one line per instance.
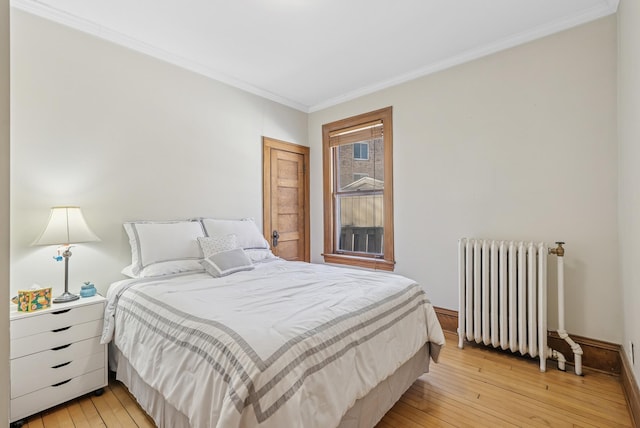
[65, 297]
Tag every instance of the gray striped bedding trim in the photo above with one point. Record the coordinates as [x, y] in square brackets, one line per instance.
[415, 288]
[337, 338]
[207, 357]
[263, 365]
[242, 343]
[254, 396]
[222, 327]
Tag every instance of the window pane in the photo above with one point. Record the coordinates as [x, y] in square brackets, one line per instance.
[357, 173]
[360, 223]
[361, 151]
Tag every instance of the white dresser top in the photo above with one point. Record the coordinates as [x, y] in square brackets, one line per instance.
[14, 313]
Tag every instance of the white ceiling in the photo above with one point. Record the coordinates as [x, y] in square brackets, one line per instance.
[311, 54]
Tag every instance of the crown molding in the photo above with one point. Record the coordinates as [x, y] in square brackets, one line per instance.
[607, 7]
[51, 13]
[35, 7]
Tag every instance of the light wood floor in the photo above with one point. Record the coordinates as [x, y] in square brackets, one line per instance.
[474, 387]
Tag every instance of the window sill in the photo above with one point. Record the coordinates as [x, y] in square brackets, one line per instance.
[363, 262]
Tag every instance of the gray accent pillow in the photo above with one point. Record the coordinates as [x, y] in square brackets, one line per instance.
[227, 262]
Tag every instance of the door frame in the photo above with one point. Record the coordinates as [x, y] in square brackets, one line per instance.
[267, 145]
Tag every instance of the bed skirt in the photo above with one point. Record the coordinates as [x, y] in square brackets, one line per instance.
[365, 413]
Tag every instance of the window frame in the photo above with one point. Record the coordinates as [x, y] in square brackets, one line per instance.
[331, 254]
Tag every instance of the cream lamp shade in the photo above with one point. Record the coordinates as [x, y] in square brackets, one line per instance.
[66, 225]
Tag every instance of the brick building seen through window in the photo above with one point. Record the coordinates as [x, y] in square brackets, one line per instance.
[361, 168]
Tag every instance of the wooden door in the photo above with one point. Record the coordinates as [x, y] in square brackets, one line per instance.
[286, 199]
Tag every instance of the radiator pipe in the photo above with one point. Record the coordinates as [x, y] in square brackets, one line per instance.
[559, 356]
[577, 350]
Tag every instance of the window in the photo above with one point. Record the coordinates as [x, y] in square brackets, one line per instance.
[358, 190]
[361, 151]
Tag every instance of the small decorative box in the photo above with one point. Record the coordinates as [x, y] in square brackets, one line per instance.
[87, 290]
[32, 300]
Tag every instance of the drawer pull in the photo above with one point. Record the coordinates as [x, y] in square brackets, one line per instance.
[61, 365]
[62, 311]
[60, 329]
[61, 383]
[57, 348]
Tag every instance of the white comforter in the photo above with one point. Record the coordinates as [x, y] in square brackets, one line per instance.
[288, 344]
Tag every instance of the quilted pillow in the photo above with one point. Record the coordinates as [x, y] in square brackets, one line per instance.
[227, 262]
[215, 244]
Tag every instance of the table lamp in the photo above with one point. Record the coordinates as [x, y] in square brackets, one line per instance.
[66, 226]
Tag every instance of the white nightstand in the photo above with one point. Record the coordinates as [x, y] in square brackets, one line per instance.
[56, 355]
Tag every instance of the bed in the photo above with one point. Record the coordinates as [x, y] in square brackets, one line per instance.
[264, 342]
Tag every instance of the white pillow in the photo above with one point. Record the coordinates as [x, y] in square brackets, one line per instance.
[246, 231]
[164, 268]
[227, 262]
[214, 244]
[156, 242]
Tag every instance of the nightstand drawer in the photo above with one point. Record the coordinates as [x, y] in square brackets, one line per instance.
[47, 397]
[58, 355]
[32, 380]
[55, 319]
[30, 369]
[55, 338]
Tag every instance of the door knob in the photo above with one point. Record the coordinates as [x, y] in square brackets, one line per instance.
[274, 238]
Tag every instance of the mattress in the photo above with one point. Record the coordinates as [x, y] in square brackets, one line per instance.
[287, 344]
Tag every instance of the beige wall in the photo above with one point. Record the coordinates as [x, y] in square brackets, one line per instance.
[517, 145]
[629, 158]
[124, 136]
[4, 210]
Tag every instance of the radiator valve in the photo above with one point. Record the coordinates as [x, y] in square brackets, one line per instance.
[558, 251]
